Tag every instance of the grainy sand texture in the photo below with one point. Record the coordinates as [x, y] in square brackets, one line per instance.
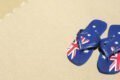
[34, 38]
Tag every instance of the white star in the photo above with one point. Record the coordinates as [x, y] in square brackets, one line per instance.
[86, 51]
[118, 32]
[116, 42]
[96, 31]
[112, 48]
[113, 35]
[89, 35]
[94, 26]
[103, 57]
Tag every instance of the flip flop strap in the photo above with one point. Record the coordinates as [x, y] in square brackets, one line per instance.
[87, 40]
[110, 46]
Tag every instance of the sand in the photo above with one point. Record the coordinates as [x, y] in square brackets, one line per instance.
[34, 38]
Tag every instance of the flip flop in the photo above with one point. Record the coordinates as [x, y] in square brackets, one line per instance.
[86, 41]
[109, 59]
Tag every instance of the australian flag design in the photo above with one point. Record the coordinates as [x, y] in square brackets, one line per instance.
[74, 47]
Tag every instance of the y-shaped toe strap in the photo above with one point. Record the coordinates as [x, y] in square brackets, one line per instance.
[110, 46]
[87, 40]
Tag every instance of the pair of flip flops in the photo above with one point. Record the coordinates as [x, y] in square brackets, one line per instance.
[88, 40]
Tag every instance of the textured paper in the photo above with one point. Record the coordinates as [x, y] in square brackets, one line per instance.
[34, 38]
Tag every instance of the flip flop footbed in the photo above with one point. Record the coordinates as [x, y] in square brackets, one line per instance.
[82, 47]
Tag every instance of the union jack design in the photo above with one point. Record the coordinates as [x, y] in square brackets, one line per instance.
[115, 62]
[72, 49]
[84, 40]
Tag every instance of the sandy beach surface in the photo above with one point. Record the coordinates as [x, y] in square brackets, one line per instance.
[35, 35]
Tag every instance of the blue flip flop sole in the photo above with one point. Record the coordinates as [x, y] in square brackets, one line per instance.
[79, 52]
[110, 65]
